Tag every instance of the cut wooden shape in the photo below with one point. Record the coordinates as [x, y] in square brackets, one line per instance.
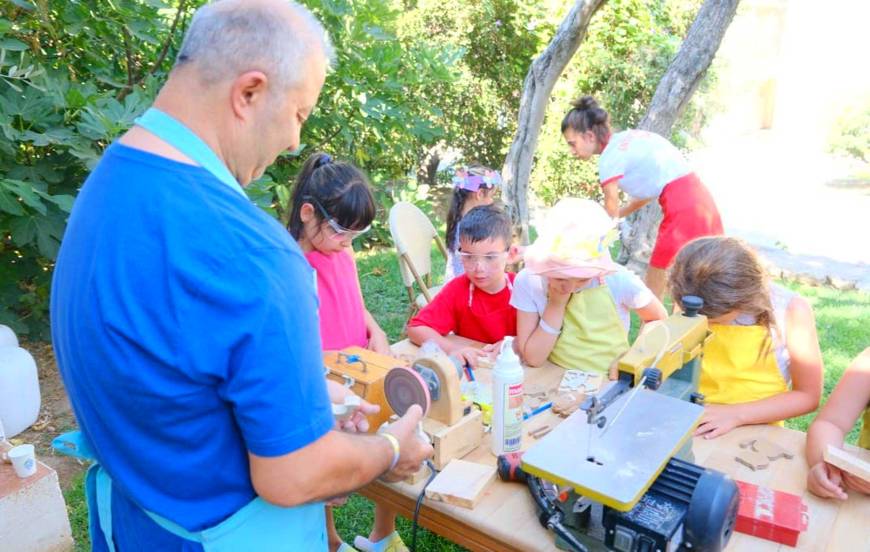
[771, 450]
[565, 404]
[534, 389]
[747, 443]
[753, 460]
[461, 483]
[847, 462]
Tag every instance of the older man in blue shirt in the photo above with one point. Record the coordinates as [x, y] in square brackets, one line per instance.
[184, 318]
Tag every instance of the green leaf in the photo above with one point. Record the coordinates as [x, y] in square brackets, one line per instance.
[9, 203]
[12, 45]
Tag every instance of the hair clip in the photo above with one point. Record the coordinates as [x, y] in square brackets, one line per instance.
[473, 182]
[324, 159]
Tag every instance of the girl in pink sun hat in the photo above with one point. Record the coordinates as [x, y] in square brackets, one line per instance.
[573, 302]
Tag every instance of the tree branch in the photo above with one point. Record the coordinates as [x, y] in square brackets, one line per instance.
[164, 50]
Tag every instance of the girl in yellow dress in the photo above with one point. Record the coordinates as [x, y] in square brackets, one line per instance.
[762, 364]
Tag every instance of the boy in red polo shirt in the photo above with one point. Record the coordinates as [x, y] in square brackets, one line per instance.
[475, 305]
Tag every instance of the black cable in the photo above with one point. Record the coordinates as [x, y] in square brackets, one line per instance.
[420, 498]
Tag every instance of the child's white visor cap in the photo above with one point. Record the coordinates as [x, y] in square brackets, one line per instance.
[574, 239]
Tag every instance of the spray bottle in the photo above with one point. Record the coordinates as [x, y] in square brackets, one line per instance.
[507, 397]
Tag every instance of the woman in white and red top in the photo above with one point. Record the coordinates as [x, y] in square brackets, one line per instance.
[645, 166]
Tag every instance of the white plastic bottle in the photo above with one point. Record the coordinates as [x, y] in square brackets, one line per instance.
[19, 386]
[507, 400]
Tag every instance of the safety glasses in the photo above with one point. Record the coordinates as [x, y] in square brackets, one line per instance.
[339, 231]
[489, 260]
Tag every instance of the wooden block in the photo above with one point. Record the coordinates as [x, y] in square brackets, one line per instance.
[753, 460]
[771, 450]
[847, 462]
[461, 483]
[454, 441]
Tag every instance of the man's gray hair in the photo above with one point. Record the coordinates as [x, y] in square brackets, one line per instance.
[227, 38]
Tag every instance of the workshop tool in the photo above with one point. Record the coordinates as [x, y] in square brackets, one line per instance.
[363, 371]
[769, 514]
[453, 427]
[625, 456]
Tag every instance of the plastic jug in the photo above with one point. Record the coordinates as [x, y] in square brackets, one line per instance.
[19, 390]
[507, 399]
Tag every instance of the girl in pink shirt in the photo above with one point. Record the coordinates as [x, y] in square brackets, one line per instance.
[331, 205]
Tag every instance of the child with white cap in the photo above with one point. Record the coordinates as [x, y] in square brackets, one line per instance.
[573, 302]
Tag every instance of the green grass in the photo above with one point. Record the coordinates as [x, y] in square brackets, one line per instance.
[842, 318]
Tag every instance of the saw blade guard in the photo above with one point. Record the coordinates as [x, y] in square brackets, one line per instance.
[404, 387]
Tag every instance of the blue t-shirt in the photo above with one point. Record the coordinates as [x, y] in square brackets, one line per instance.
[184, 321]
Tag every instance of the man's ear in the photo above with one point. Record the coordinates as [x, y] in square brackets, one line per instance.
[306, 212]
[248, 91]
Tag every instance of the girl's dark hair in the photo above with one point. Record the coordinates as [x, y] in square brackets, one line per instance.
[457, 203]
[585, 115]
[340, 188]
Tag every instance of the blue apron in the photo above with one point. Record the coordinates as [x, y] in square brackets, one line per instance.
[258, 525]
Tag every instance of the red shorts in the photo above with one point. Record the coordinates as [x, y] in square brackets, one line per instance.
[689, 213]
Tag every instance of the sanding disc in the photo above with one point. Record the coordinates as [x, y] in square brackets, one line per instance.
[404, 387]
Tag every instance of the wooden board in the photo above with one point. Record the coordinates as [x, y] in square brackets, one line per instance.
[846, 462]
[461, 483]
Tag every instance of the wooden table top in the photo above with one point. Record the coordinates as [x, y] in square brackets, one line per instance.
[506, 518]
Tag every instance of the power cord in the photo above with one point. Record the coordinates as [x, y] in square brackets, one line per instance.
[420, 497]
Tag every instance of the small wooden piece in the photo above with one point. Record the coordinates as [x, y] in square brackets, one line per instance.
[847, 462]
[461, 483]
[565, 404]
[753, 460]
[747, 443]
[770, 449]
[454, 441]
[534, 390]
[420, 475]
[539, 432]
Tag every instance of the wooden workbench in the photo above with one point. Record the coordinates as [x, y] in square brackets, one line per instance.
[506, 518]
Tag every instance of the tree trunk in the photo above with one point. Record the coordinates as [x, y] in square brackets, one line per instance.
[542, 75]
[670, 100]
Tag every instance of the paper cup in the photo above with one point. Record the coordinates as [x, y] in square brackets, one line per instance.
[23, 458]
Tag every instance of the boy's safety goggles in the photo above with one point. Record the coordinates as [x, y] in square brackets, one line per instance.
[473, 259]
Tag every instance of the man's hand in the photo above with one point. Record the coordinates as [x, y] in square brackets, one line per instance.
[718, 419]
[412, 450]
[358, 422]
[826, 481]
